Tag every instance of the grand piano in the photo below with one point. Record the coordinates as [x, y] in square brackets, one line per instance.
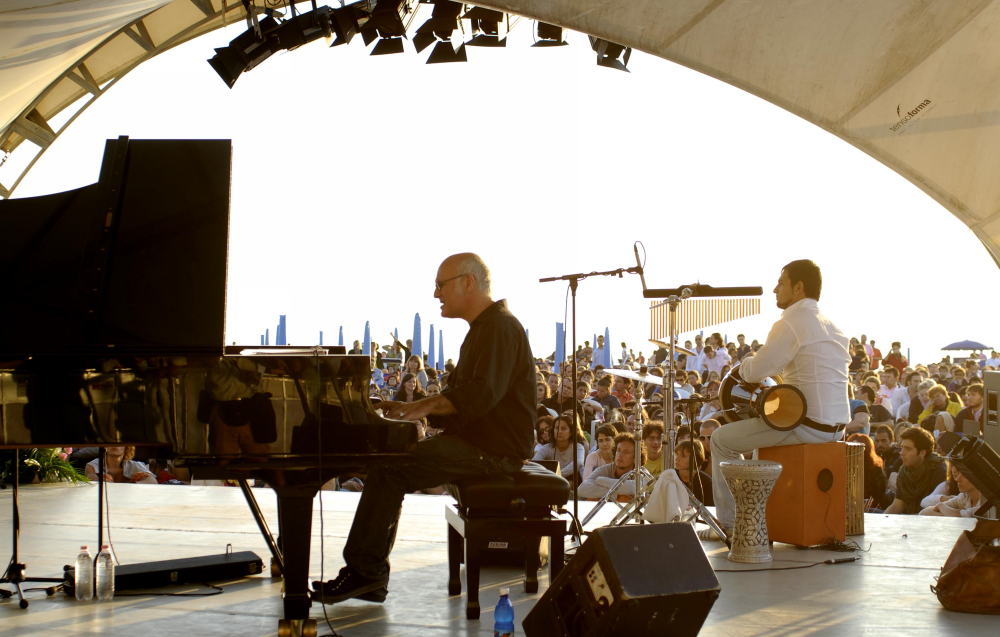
[112, 333]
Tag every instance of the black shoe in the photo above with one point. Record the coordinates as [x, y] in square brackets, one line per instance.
[348, 585]
[378, 596]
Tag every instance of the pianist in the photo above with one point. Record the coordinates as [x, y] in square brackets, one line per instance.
[487, 414]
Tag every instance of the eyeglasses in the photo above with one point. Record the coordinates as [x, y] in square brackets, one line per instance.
[704, 438]
[440, 284]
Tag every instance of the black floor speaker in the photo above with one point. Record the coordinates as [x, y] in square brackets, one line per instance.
[650, 579]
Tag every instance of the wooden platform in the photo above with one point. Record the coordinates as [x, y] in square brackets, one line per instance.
[887, 593]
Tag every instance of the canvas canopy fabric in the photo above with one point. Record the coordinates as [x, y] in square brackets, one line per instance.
[912, 83]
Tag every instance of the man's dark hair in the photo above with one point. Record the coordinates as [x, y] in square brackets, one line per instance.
[604, 382]
[651, 428]
[627, 437]
[889, 369]
[867, 391]
[626, 381]
[921, 439]
[739, 335]
[897, 344]
[808, 273]
[682, 431]
[448, 367]
[885, 429]
[607, 430]
[975, 387]
[911, 375]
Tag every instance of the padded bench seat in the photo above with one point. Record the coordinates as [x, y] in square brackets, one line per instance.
[495, 510]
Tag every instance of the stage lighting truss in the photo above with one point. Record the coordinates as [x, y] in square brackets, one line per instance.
[549, 35]
[439, 30]
[489, 27]
[266, 37]
[609, 52]
[389, 22]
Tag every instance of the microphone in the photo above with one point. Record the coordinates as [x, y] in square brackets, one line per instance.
[638, 266]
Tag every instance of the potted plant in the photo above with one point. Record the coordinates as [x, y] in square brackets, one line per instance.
[40, 465]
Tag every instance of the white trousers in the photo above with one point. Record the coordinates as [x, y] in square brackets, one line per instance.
[731, 441]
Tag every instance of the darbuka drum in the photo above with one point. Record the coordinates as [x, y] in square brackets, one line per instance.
[855, 488]
[750, 482]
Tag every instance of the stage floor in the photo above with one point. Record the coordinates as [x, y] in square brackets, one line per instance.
[886, 593]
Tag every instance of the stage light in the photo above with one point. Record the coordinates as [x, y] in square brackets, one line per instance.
[440, 29]
[549, 35]
[608, 53]
[389, 22]
[489, 27]
[268, 36]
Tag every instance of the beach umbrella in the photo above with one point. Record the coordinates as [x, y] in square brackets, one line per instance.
[609, 360]
[340, 340]
[441, 358]
[366, 348]
[593, 352]
[560, 348]
[431, 361]
[417, 349]
[321, 337]
[965, 345]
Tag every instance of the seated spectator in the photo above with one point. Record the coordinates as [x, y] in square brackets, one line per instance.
[543, 431]
[652, 438]
[120, 467]
[887, 452]
[410, 390]
[623, 390]
[958, 380]
[433, 389]
[563, 401]
[694, 381]
[713, 408]
[603, 478]
[965, 504]
[560, 448]
[542, 395]
[943, 422]
[922, 471]
[604, 454]
[415, 366]
[702, 486]
[874, 473]
[604, 395]
[938, 396]
[682, 433]
[712, 361]
[973, 409]
[944, 491]
[705, 438]
[860, 415]
[920, 402]
[878, 414]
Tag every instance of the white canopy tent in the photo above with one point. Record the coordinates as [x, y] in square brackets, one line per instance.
[912, 83]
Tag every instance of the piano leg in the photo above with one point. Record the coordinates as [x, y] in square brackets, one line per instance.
[274, 547]
[295, 513]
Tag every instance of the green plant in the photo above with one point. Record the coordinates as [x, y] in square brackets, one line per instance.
[46, 464]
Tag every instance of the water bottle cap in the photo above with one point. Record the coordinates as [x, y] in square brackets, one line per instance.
[104, 546]
[83, 548]
[504, 592]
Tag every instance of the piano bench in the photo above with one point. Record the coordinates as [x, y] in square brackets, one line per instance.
[499, 510]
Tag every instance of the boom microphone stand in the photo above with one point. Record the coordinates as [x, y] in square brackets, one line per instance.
[574, 280]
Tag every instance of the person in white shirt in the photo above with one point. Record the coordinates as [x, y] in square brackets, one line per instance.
[713, 361]
[964, 505]
[694, 362]
[604, 453]
[605, 477]
[809, 352]
[889, 387]
[993, 360]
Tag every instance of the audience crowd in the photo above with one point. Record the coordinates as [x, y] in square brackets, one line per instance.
[908, 417]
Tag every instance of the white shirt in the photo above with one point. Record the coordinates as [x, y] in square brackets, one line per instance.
[899, 398]
[811, 353]
[714, 364]
[695, 362]
[887, 395]
[565, 458]
[601, 480]
[995, 362]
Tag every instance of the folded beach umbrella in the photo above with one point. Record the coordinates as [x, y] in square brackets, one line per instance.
[560, 348]
[340, 340]
[366, 348]
[417, 349]
[441, 358]
[609, 357]
[431, 361]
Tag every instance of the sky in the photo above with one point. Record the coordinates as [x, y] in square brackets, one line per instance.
[355, 176]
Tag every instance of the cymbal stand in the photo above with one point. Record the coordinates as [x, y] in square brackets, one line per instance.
[612, 496]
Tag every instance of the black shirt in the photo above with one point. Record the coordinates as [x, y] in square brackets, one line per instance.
[493, 387]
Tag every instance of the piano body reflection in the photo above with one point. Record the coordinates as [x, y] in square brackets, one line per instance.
[112, 333]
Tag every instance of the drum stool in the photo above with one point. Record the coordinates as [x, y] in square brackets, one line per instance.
[750, 482]
[494, 510]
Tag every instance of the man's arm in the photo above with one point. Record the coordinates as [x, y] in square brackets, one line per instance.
[779, 349]
[897, 506]
[434, 406]
[589, 488]
[858, 423]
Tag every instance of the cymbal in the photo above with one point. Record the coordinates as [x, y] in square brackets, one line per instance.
[677, 348]
[652, 379]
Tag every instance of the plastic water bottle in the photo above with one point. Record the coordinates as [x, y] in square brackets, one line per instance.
[105, 574]
[83, 576]
[503, 616]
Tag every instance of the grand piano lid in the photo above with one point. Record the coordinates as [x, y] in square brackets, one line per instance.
[134, 264]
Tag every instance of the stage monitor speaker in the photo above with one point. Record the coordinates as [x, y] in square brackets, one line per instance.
[651, 579]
